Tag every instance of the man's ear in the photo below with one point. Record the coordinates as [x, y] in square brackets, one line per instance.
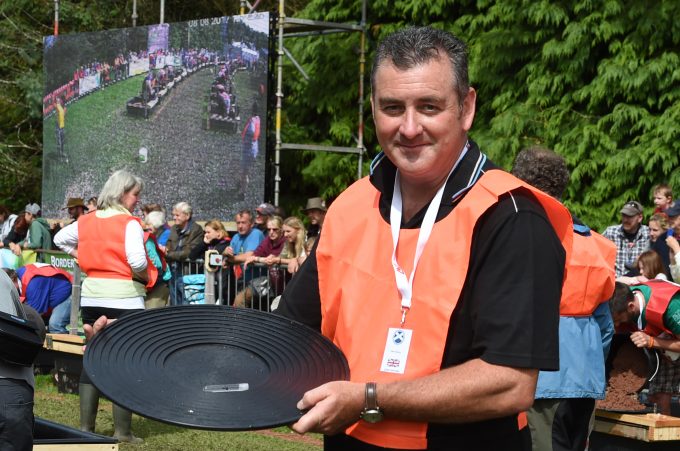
[631, 307]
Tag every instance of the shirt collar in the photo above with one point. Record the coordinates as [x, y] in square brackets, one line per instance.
[383, 172]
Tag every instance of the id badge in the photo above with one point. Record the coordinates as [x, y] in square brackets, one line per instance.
[396, 350]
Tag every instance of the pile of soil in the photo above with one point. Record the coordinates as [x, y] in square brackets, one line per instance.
[629, 373]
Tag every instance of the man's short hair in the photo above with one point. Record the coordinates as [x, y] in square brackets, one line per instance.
[543, 169]
[620, 299]
[251, 217]
[183, 207]
[415, 46]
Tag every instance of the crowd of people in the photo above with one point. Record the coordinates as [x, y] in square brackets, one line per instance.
[414, 274]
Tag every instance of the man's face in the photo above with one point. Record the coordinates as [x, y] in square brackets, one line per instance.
[260, 218]
[419, 121]
[180, 218]
[628, 316]
[28, 217]
[316, 216]
[75, 212]
[631, 223]
[243, 224]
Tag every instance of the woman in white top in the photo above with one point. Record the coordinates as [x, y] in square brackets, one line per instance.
[109, 245]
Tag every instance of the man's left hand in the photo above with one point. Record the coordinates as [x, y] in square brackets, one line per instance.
[332, 407]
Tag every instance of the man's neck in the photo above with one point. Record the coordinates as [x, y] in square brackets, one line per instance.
[415, 197]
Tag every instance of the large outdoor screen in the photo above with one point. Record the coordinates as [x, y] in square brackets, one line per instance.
[182, 105]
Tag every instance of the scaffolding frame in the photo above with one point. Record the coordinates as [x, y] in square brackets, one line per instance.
[289, 27]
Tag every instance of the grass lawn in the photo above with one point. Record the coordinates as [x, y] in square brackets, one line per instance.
[64, 409]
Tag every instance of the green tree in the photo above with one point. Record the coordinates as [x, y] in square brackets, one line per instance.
[596, 81]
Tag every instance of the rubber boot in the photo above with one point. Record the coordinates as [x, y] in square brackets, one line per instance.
[122, 423]
[89, 403]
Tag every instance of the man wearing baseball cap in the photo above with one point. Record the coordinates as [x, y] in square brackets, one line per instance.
[631, 238]
[262, 214]
[38, 236]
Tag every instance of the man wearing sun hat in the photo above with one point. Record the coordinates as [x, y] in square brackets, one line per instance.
[631, 238]
[76, 207]
[316, 212]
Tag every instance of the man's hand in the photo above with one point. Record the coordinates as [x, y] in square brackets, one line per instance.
[332, 407]
[640, 339]
[91, 331]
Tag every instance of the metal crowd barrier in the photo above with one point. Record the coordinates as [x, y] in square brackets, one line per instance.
[222, 285]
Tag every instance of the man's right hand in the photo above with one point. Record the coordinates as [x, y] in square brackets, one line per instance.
[101, 323]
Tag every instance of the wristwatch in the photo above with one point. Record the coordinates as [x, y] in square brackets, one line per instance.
[371, 413]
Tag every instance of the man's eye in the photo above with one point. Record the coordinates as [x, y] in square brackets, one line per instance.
[429, 108]
[392, 109]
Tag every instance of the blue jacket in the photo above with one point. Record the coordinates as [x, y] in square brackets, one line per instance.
[584, 345]
[584, 340]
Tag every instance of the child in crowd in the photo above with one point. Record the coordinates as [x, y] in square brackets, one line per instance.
[663, 198]
[650, 266]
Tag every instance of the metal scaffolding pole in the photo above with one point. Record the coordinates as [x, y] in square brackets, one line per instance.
[292, 27]
[362, 66]
[279, 103]
[134, 13]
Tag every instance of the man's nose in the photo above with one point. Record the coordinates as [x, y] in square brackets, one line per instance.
[410, 124]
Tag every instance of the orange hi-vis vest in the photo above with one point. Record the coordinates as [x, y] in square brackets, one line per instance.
[590, 277]
[360, 300]
[101, 248]
[661, 294]
[33, 270]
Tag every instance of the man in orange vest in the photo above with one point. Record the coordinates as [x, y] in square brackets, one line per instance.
[565, 399]
[653, 308]
[445, 300]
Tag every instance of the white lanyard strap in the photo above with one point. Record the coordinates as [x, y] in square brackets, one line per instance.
[404, 285]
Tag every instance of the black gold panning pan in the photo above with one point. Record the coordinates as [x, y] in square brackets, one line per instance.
[211, 366]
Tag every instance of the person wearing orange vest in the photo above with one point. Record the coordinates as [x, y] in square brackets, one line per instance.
[654, 308]
[48, 290]
[109, 246]
[565, 399]
[445, 298]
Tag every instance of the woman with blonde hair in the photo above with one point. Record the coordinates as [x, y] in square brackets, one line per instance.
[294, 250]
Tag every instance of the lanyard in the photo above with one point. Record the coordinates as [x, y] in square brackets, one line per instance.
[405, 285]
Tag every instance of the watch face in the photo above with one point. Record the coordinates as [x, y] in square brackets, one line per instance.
[372, 415]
